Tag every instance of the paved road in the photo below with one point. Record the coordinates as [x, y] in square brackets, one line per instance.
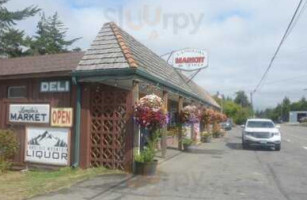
[219, 170]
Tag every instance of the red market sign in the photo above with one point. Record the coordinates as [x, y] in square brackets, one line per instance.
[61, 117]
[190, 59]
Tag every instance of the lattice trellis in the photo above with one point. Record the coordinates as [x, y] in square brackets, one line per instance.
[108, 127]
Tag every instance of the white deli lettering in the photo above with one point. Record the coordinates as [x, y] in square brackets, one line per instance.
[55, 86]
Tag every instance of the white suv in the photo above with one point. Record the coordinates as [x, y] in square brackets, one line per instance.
[261, 132]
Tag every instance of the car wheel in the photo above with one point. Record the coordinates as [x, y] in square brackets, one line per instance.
[277, 147]
[244, 145]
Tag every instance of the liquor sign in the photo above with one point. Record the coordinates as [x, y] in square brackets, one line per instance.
[190, 59]
[47, 145]
[29, 113]
[61, 117]
[55, 86]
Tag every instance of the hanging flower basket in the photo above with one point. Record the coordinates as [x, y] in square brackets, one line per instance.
[190, 114]
[149, 112]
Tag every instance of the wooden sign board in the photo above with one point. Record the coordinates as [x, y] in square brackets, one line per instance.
[61, 117]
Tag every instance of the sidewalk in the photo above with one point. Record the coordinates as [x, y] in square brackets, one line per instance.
[97, 187]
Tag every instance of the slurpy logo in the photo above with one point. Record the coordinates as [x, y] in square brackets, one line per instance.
[154, 18]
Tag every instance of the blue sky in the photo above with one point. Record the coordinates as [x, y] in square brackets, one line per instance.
[239, 35]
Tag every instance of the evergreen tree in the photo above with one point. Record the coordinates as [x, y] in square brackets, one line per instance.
[50, 38]
[12, 40]
[242, 99]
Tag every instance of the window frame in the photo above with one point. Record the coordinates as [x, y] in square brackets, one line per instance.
[9, 88]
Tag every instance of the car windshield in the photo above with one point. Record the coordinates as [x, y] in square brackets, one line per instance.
[260, 124]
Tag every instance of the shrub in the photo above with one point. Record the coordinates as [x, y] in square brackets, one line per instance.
[206, 136]
[8, 148]
[216, 130]
[145, 156]
[187, 141]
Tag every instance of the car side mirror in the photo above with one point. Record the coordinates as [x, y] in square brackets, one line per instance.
[242, 126]
[277, 126]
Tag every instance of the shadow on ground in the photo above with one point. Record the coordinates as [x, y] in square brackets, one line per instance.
[238, 146]
[195, 150]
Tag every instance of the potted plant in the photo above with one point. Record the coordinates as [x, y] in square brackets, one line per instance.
[206, 137]
[150, 115]
[145, 164]
[187, 142]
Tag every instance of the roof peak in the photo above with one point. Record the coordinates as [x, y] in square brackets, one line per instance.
[123, 45]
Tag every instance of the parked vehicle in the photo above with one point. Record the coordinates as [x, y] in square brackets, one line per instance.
[261, 132]
[227, 125]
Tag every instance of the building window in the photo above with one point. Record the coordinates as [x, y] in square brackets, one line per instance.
[17, 92]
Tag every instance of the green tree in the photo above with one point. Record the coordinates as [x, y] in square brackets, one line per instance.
[285, 109]
[11, 39]
[50, 36]
[242, 99]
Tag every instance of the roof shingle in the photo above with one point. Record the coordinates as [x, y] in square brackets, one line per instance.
[40, 64]
[127, 52]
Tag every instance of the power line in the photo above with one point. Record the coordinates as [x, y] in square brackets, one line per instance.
[287, 32]
[298, 16]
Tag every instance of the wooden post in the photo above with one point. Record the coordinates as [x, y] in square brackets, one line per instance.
[180, 106]
[164, 136]
[136, 128]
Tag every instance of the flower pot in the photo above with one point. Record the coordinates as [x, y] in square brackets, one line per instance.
[146, 169]
[206, 139]
[186, 148]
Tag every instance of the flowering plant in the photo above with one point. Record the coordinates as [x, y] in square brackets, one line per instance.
[149, 112]
[190, 114]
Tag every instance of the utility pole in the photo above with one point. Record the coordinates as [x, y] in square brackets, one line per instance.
[251, 97]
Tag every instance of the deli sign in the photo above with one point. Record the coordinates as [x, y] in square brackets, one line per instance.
[190, 59]
[55, 86]
[29, 113]
[61, 117]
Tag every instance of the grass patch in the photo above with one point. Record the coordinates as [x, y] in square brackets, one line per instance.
[21, 185]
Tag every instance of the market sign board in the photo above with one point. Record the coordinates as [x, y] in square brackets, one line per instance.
[61, 117]
[190, 59]
[47, 145]
[29, 113]
[55, 86]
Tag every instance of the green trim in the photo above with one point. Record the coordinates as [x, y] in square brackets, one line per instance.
[110, 72]
[77, 127]
[141, 73]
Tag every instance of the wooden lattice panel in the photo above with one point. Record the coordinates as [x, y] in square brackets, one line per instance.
[108, 127]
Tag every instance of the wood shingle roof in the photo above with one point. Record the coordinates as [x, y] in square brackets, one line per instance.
[114, 48]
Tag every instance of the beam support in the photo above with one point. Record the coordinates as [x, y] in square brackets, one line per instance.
[136, 128]
[164, 130]
[180, 107]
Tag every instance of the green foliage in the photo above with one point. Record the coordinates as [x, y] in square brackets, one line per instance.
[205, 135]
[238, 109]
[242, 99]
[145, 156]
[50, 37]
[281, 111]
[242, 115]
[149, 152]
[12, 40]
[8, 148]
[9, 18]
[187, 141]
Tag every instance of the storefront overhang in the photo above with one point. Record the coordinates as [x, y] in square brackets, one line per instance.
[134, 73]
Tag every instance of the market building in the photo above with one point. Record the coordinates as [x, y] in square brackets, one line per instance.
[76, 109]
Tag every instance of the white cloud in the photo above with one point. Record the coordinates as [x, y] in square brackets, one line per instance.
[240, 37]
